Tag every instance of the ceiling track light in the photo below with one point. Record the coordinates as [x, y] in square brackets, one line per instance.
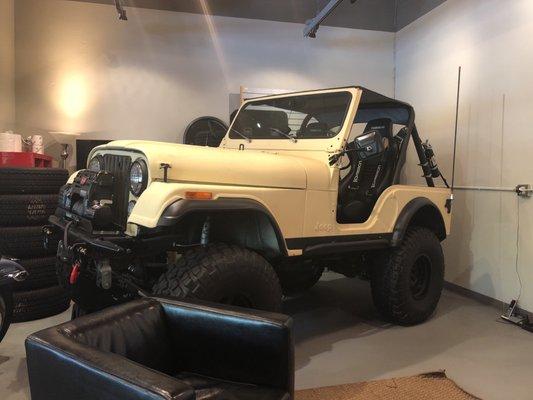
[312, 25]
[121, 11]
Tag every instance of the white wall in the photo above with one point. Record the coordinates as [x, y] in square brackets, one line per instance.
[80, 69]
[491, 39]
[7, 64]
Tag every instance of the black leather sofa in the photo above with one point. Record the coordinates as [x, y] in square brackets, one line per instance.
[164, 349]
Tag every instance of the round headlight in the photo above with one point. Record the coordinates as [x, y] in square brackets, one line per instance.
[138, 177]
[96, 164]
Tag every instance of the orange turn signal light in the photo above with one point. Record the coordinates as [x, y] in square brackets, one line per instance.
[199, 195]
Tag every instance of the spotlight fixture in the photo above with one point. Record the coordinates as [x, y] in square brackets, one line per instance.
[121, 11]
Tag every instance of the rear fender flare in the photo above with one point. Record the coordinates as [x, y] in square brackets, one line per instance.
[418, 206]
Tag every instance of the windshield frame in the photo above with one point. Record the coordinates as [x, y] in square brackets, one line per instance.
[281, 136]
[329, 144]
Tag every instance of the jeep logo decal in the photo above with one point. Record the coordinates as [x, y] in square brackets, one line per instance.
[323, 227]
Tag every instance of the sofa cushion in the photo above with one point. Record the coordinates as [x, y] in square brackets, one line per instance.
[207, 388]
[137, 331]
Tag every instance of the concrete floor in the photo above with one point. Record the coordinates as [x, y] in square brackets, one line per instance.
[340, 339]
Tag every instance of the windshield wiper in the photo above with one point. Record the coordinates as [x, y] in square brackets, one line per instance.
[248, 139]
[280, 132]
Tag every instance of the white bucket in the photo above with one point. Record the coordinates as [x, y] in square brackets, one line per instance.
[37, 144]
[10, 142]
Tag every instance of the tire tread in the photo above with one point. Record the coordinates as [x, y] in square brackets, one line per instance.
[389, 296]
[197, 272]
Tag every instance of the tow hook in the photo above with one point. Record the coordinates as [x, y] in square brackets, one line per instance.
[74, 273]
[104, 274]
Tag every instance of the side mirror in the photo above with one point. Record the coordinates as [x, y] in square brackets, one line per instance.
[369, 144]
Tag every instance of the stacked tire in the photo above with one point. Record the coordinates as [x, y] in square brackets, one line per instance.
[28, 196]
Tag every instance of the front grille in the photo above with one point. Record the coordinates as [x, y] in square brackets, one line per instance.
[119, 167]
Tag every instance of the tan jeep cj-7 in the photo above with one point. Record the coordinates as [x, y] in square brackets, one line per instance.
[301, 182]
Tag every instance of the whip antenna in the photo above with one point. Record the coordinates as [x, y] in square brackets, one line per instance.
[450, 200]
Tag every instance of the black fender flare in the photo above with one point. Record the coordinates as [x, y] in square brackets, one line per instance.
[409, 211]
[182, 207]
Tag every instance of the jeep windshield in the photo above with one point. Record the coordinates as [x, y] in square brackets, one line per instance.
[312, 116]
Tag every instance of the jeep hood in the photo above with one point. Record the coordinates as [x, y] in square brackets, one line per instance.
[217, 165]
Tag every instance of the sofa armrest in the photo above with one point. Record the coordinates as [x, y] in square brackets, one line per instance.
[61, 368]
[232, 343]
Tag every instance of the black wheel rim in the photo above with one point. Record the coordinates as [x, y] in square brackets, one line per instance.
[238, 299]
[420, 277]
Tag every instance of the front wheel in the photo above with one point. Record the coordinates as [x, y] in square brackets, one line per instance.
[6, 310]
[225, 274]
[407, 283]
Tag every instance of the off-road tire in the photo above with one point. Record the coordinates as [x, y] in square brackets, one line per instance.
[26, 209]
[41, 273]
[6, 310]
[224, 274]
[41, 303]
[395, 293]
[298, 277]
[24, 242]
[32, 180]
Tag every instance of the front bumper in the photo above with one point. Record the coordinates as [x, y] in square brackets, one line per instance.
[111, 245]
[93, 267]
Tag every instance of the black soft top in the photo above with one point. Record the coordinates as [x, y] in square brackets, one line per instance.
[374, 105]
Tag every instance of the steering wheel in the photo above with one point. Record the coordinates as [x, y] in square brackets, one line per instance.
[305, 122]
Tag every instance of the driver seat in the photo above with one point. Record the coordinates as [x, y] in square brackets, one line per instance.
[368, 176]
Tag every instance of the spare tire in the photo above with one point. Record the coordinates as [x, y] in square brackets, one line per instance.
[26, 209]
[41, 303]
[41, 273]
[24, 242]
[32, 180]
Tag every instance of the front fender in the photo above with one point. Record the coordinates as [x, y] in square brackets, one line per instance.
[159, 196]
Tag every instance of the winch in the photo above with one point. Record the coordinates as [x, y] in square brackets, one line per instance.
[90, 196]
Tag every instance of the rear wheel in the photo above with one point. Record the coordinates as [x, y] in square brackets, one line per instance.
[225, 274]
[407, 282]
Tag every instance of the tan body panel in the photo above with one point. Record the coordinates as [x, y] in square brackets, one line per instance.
[286, 205]
[291, 179]
[218, 166]
[299, 213]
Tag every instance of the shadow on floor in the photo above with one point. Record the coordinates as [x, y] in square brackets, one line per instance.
[340, 310]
